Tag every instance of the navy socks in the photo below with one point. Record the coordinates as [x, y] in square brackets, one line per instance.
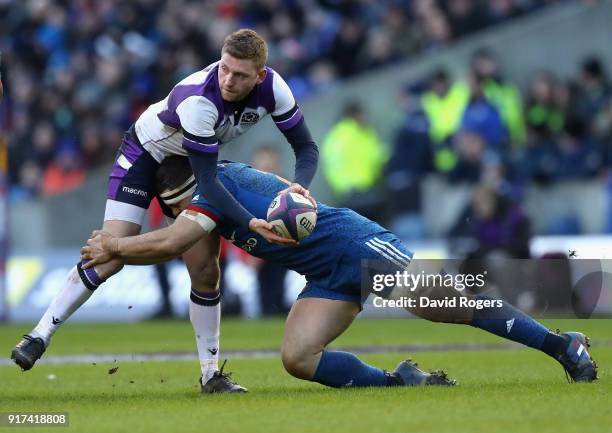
[343, 369]
[513, 324]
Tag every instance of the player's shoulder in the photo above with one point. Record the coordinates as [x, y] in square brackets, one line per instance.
[275, 81]
[199, 91]
[198, 78]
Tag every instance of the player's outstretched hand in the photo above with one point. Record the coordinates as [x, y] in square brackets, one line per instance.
[299, 189]
[101, 248]
[264, 228]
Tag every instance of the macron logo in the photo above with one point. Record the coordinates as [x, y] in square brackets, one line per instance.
[509, 324]
[134, 191]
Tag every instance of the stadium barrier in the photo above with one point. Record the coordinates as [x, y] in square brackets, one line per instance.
[134, 293]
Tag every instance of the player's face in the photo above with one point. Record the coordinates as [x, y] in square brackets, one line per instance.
[180, 206]
[237, 77]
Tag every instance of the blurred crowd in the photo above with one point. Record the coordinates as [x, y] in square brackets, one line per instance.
[78, 72]
[480, 130]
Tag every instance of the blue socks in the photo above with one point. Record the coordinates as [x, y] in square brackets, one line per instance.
[513, 324]
[343, 369]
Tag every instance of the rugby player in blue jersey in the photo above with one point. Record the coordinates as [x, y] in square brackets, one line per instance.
[202, 112]
[330, 258]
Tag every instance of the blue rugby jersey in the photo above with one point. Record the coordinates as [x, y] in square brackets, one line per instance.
[316, 256]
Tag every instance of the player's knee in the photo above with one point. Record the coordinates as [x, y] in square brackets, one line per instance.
[298, 362]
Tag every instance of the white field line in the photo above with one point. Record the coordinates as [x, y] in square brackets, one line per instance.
[269, 353]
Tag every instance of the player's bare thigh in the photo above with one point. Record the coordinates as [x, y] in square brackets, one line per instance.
[433, 293]
[312, 324]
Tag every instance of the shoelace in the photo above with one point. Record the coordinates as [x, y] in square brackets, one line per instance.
[28, 337]
[227, 375]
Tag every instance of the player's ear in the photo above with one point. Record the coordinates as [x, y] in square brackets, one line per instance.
[261, 75]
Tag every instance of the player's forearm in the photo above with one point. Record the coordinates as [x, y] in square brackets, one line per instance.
[205, 169]
[153, 247]
[306, 153]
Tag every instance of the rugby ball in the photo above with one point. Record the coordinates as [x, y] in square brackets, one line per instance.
[292, 216]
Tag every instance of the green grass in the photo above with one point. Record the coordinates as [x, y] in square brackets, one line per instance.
[499, 390]
[177, 335]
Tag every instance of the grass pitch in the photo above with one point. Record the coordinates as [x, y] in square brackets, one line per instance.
[518, 390]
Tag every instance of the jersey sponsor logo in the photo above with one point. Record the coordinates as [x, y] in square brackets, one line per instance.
[134, 191]
[249, 118]
[249, 245]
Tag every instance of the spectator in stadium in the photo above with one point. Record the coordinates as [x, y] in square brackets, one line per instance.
[353, 158]
[591, 92]
[347, 46]
[504, 95]
[435, 29]
[465, 16]
[545, 107]
[410, 161]
[475, 160]
[403, 34]
[444, 103]
[579, 155]
[494, 224]
[571, 155]
[30, 182]
[536, 161]
[64, 173]
[493, 229]
[482, 117]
